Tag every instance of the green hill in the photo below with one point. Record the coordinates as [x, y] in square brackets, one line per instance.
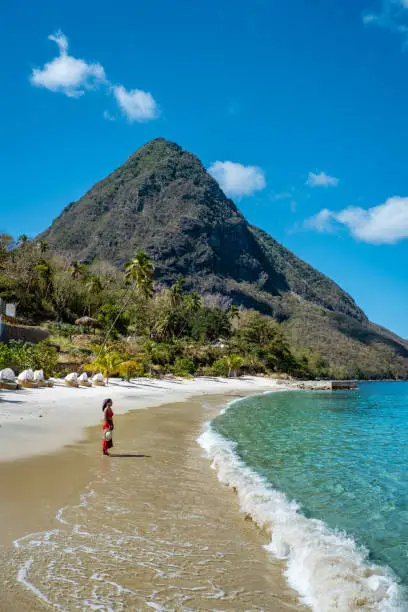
[163, 201]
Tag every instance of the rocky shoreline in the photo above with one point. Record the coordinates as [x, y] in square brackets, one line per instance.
[322, 385]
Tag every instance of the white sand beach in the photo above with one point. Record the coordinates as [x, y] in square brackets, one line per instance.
[153, 518]
[36, 421]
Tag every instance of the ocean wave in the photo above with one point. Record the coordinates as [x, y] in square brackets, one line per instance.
[326, 567]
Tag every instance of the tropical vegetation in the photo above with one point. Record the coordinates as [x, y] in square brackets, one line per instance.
[134, 326]
[141, 328]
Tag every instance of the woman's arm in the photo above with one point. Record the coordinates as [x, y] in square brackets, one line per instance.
[105, 416]
[107, 413]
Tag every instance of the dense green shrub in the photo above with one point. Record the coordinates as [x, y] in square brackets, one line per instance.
[66, 330]
[22, 355]
[210, 324]
[220, 368]
[184, 367]
[113, 321]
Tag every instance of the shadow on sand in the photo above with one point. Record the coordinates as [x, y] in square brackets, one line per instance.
[129, 455]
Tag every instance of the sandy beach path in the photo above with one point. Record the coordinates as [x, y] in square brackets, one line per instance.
[150, 528]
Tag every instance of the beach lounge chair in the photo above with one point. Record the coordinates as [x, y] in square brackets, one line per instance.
[8, 380]
[84, 381]
[26, 379]
[39, 378]
[71, 380]
[98, 381]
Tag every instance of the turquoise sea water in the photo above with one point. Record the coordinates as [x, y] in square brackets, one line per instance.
[342, 456]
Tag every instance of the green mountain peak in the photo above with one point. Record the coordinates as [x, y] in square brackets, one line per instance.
[163, 200]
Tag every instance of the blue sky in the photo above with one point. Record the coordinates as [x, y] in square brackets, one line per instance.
[299, 107]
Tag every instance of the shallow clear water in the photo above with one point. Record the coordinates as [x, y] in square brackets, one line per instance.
[342, 456]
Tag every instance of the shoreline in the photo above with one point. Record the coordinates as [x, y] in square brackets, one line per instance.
[160, 525]
[284, 534]
[40, 421]
[305, 544]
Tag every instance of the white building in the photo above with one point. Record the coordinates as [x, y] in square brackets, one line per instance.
[10, 310]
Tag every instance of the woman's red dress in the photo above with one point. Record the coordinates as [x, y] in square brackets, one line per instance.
[107, 424]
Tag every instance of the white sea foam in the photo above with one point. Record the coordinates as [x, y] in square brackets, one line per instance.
[327, 568]
[22, 577]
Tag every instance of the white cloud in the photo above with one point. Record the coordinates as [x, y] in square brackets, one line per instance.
[370, 18]
[73, 76]
[392, 17]
[136, 104]
[322, 222]
[61, 40]
[285, 195]
[67, 74]
[236, 179]
[383, 224]
[108, 116]
[321, 180]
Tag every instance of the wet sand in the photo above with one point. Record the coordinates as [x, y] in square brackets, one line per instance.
[149, 528]
[37, 421]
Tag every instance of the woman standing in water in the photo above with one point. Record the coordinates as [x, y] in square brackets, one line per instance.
[107, 426]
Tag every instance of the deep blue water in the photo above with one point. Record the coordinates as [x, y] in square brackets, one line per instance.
[342, 455]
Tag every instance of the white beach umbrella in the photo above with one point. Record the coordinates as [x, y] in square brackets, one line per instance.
[39, 375]
[83, 377]
[98, 377]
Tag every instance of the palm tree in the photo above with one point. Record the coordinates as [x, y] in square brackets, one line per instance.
[193, 302]
[94, 284]
[233, 312]
[140, 271]
[130, 368]
[45, 273]
[176, 293]
[77, 270]
[234, 363]
[22, 240]
[43, 246]
[140, 274]
[108, 362]
[93, 287]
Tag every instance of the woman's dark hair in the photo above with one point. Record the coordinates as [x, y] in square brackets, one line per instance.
[105, 403]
